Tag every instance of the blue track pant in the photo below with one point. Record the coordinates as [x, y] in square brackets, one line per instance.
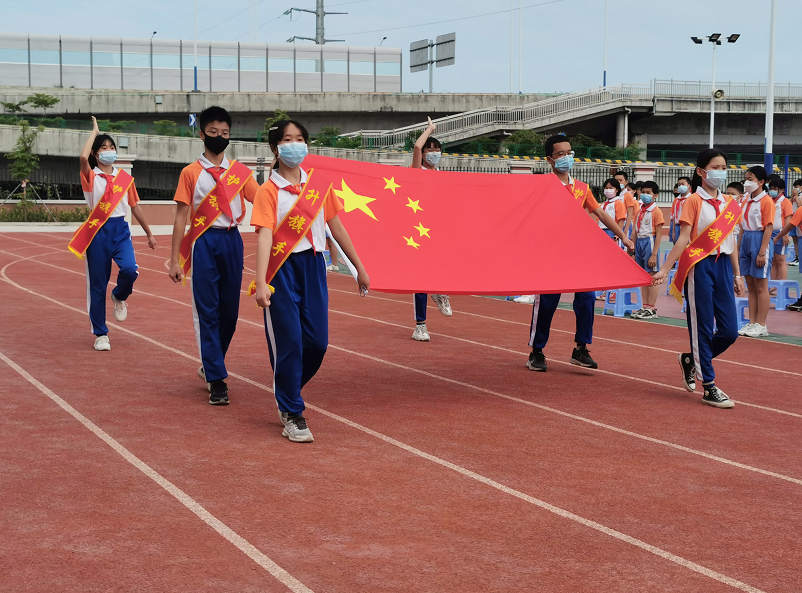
[419, 302]
[216, 277]
[543, 313]
[112, 242]
[297, 326]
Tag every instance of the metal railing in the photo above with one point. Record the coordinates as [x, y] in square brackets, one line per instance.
[736, 90]
[515, 117]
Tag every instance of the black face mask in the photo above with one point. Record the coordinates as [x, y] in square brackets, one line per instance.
[215, 144]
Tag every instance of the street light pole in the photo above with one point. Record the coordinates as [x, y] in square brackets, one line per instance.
[713, 98]
[195, 36]
[768, 150]
[604, 80]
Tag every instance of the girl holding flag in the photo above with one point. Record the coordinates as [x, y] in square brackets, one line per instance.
[111, 194]
[708, 270]
[290, 280]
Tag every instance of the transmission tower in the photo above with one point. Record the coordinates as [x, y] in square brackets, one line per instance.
[320, 28]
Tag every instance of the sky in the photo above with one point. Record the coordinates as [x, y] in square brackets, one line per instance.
[563, 40]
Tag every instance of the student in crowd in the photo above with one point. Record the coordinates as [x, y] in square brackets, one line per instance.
[622, 177]
[425, 155]
[794, 223]
[334, 265]
[561, 158]
[757, 250]
[614, 206]
[736, 190]
[210, 197]
[296, 314]
[647, 232]
[684, 189]
[111, 194]
[675, 191]
[796, 202]
[783, 210]
[712, 280]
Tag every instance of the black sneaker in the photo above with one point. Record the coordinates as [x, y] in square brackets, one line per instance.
[797, 306]
[715, 397]
[537, 361]
[218, 393]
[581, 357]
[688, 367]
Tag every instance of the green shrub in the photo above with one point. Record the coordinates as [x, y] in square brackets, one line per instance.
[26, 211]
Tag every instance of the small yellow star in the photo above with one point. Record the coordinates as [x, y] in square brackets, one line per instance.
[391, 184]
[414, 204]
[411, 242]
[424, 232]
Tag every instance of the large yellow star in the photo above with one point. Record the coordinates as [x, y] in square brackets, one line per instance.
[354, 201]
[411, 242]
[414, 204]
[424, 232]
[391, 184]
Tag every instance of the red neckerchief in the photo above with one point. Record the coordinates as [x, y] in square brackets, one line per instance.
[642, 214]
[108, 194]
[222, 202]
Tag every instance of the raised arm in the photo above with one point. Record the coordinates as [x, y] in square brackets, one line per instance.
[417, 151]
[87, 149]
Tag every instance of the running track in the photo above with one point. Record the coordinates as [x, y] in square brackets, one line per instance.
[436, 467]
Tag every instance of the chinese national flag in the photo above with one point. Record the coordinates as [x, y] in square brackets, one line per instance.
[471, 233]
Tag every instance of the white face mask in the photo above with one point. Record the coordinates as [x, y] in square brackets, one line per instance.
[750, 186]
[610, 193]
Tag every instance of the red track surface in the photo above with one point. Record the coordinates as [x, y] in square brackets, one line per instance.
[436, 467]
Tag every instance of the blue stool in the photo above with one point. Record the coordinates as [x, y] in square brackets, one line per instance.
[741, 308]
[790, 255]
[627, 300]
[670, 279]
[784, 298]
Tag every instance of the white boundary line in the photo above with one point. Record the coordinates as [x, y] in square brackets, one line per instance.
[185, 499]
[273, 568]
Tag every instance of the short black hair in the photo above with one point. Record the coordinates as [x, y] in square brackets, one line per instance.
[688, 179]
[551, 141]
[633, 186]
[798, 182]
[614, 182]
[759, 172]
[211, 114]
[432, 142]
[623, 174]
[777, 182]
[276, 133]
[652, 186]
[100, 139]
[737, 185]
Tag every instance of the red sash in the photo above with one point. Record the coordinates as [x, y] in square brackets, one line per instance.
[705, 243]
[226, 189]
[116, 190]
[294, 227]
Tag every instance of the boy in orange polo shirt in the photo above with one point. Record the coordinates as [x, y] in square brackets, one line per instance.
[647, 232]
[217, 255]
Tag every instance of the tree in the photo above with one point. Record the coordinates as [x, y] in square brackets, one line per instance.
[166, 127]
[328, 136]
[23, 160]
[278, 115]
[13, 107]
[106, 125]
[42, 101]
[524, 143]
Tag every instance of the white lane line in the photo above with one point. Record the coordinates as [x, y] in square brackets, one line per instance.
[522, 353]
[589, 421]
[595, 337]
[683, 562]
[185, 499]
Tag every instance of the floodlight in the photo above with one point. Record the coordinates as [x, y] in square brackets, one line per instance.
[715, 37]
[733, 38]
[697, 40]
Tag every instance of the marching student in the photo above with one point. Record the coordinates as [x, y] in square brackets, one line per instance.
[561, 158]
[708, 272]
[292, 236]
[783, 210]
[757, 250]
[684, 190]
[425, 155]
[614, 206]
[210, 197]
[105, 236]
[629, 197]
[736, 190]
[794, 223]
[647, 232]
[796, 202]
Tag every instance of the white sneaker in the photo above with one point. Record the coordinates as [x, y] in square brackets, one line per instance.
[202, 375]
[421, 334]
[525, 299]
[102, 343]
[757, 331]
[283, 417]
[120, 309]
[332, 268]
[297, 431]
[637, 314]
[745, 329]
[443, 304]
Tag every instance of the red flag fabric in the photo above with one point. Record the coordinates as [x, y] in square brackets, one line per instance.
[452, 233]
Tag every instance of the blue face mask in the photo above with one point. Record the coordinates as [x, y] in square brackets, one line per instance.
[623, 185]
[682, 189]
[774, 193]
[564, 163]
[292, 154]
[646, 199]
[432, 158]
[107, 157]
[716, 177]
